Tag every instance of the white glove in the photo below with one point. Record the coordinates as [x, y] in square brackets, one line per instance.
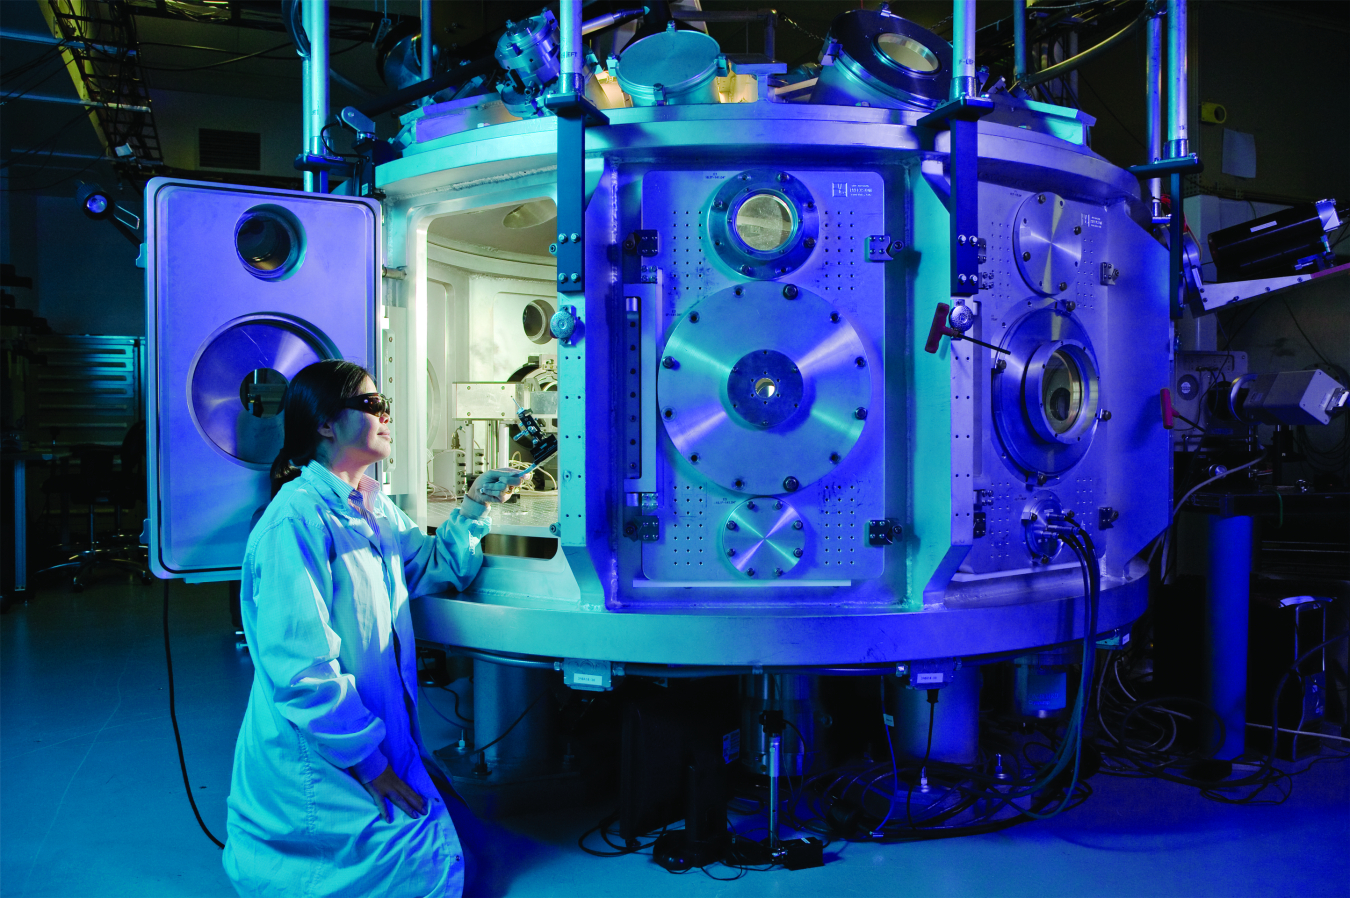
[494, 486]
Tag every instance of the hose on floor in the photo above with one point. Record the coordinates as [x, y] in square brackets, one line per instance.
[173, 716]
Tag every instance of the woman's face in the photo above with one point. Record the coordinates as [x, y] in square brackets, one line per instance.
[359, 438]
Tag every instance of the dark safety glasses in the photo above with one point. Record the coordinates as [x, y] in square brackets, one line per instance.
[376, 404]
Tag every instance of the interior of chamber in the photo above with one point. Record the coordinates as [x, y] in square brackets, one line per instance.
[491, 290]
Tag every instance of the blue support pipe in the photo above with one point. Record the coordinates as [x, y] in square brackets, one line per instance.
[1224, 670]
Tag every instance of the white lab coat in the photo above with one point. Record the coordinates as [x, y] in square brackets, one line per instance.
[325, 609]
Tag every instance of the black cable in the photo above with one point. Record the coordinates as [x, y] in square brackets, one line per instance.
[507, 731]
[173, 717]
[928, 749]
[456, 695]
[212, 65]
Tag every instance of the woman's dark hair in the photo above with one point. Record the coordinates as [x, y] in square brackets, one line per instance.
[314, 396]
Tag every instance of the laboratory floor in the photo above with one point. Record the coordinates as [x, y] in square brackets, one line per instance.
[92, 803]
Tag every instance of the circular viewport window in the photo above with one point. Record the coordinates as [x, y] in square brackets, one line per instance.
[907, 53]
[1062, 391]
[269, 241]
[764, 222]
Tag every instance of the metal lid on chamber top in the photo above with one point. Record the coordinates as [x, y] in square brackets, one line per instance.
[894, 56]
[680, 62]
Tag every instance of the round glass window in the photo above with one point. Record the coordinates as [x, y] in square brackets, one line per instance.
[1062, 391]
[907, 53]
[764, 222]
[269, 242]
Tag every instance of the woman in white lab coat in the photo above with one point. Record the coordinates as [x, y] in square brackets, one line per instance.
[333, 791]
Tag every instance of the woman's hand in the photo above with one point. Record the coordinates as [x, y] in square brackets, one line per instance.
[386, 788]
[494, 486]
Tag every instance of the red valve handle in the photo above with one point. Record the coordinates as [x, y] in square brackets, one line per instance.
[940, 328]
[1167, 411]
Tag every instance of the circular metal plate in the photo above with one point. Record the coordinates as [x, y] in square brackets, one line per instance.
[1039, 439]
[763, 537]
[729, 438]
[1047, 242]
[279, 342]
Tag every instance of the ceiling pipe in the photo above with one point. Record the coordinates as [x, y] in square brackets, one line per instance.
[428, 42]
[963, 49]
[1178, 134]
[314, 18]
[569, 40]
[1153, 81]
[1019, 40]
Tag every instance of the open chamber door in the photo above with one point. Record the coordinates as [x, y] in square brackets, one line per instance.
[244, 287]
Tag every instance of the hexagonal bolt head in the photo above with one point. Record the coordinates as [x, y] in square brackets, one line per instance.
[797, 552]
[668, 412]
[834, 457]
[667, 362]
[834, 316]
[731, 553]
[731, 525]
[778, 572]
[1063, 285]
[790, 291]
[693, 317]
[809, 243]
[1026, 257]
[740, 484]
[797, 524]
[694, 458]
[791, 483]
[749, 572]
[860, 413]
[860, 362]
[777, 504]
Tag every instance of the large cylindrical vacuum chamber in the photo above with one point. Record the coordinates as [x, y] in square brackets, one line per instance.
[760, 467]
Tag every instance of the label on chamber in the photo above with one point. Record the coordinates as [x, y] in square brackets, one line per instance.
[922, 678]
[582, 679]
[731, 746]
[888, 720]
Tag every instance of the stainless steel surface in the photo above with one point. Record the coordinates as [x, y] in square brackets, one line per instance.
[1039, 437]
[211, 323]
[569, 44]
[761, 388]
[1178, 100]
[963, 49]
[1153, 106]
[671, 68]
[1049, 248]
[928, 450]
[314, 14]
[502, 694]
[798, 697]
[428, 44]
[1019, 40]
[763, 537]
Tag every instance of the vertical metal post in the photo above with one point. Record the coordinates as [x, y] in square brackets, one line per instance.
[775, 761]
[428, 41]
[571, 156]
[770, 38]
[314, 17]
[963, 49]
[1019, 40]
[1153, 105]
[1224, 668]
[569, 39]
[1178, 143]
[1178, 135]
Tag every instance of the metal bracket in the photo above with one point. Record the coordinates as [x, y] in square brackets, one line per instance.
[879, 248]
[1106, 517]
[1109, 274]
[642, 243]
[933, 673]
[643, 528]
[884, 532]
[589, 676]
